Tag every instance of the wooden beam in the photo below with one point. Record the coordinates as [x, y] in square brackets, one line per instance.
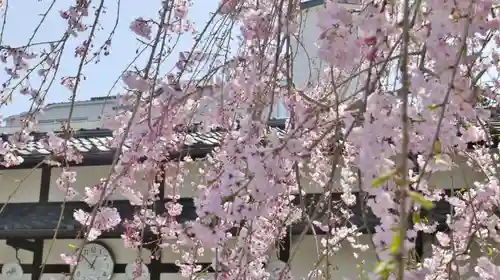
[41, 219]
[155, 267]
[36, 272]
[285, 246]
[45, 183]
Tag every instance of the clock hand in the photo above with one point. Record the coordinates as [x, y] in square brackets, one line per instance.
[85, 258]
[92, 265]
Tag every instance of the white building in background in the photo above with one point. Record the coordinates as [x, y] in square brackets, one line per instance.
[307, 65]
[87, 114]
[92, 113]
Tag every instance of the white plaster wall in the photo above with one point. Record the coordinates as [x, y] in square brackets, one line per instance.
[343, 263]
[306, 63]
[461, 176]
[24, 185]
[55, 276]
[20, 185]
[8, 254]
[475, 252]
[211, 100]
[121, 254]
[178, 276]
[88, 176]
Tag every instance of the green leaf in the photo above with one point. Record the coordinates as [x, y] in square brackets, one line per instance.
[384, 269]
[432, 107]
[490, 251]
[72, 246]
[395, 244]
[383, 178]
[437, 147]
[416, 218]
[426, 204]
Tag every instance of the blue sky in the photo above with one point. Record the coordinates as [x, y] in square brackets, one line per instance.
[24, 15]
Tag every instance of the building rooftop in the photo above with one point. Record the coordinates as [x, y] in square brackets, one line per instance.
[94, 144]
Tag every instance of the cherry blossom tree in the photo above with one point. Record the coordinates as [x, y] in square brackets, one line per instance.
[425, 68]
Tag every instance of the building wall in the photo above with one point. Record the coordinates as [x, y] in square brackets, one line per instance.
[91, 110]
[24, 186]
[20, 185]
[347, 262]
[307, 64]
[8, 255]
[86, 114]
[121, 254]
[475, 253]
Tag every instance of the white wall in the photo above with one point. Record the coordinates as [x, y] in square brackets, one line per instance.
[29, 187]
[461, 176]
[8, 254]
[20, 185]
[86, 114]
[89, 176]
[475, 252]
[343, 263]
[84, 109]
[307, 65]
[24, 185]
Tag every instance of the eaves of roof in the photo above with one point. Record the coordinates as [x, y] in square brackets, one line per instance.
[94, 145]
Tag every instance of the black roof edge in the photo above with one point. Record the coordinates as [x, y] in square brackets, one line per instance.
[311, 4]
[106, 158]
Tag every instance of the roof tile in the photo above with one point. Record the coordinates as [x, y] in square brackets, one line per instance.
[98, 141]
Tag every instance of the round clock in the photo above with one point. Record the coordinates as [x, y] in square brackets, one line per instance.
[12, 271]
[134, 271]
[96, 263]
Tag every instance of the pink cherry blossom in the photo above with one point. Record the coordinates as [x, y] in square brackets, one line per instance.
[142, 28]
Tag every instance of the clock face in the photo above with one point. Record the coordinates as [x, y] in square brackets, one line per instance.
[96, 263]
[135, 271]
[12, 271]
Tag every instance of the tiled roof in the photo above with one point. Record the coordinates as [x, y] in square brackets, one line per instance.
[89, 144]
[97, 142]
[81, 144]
